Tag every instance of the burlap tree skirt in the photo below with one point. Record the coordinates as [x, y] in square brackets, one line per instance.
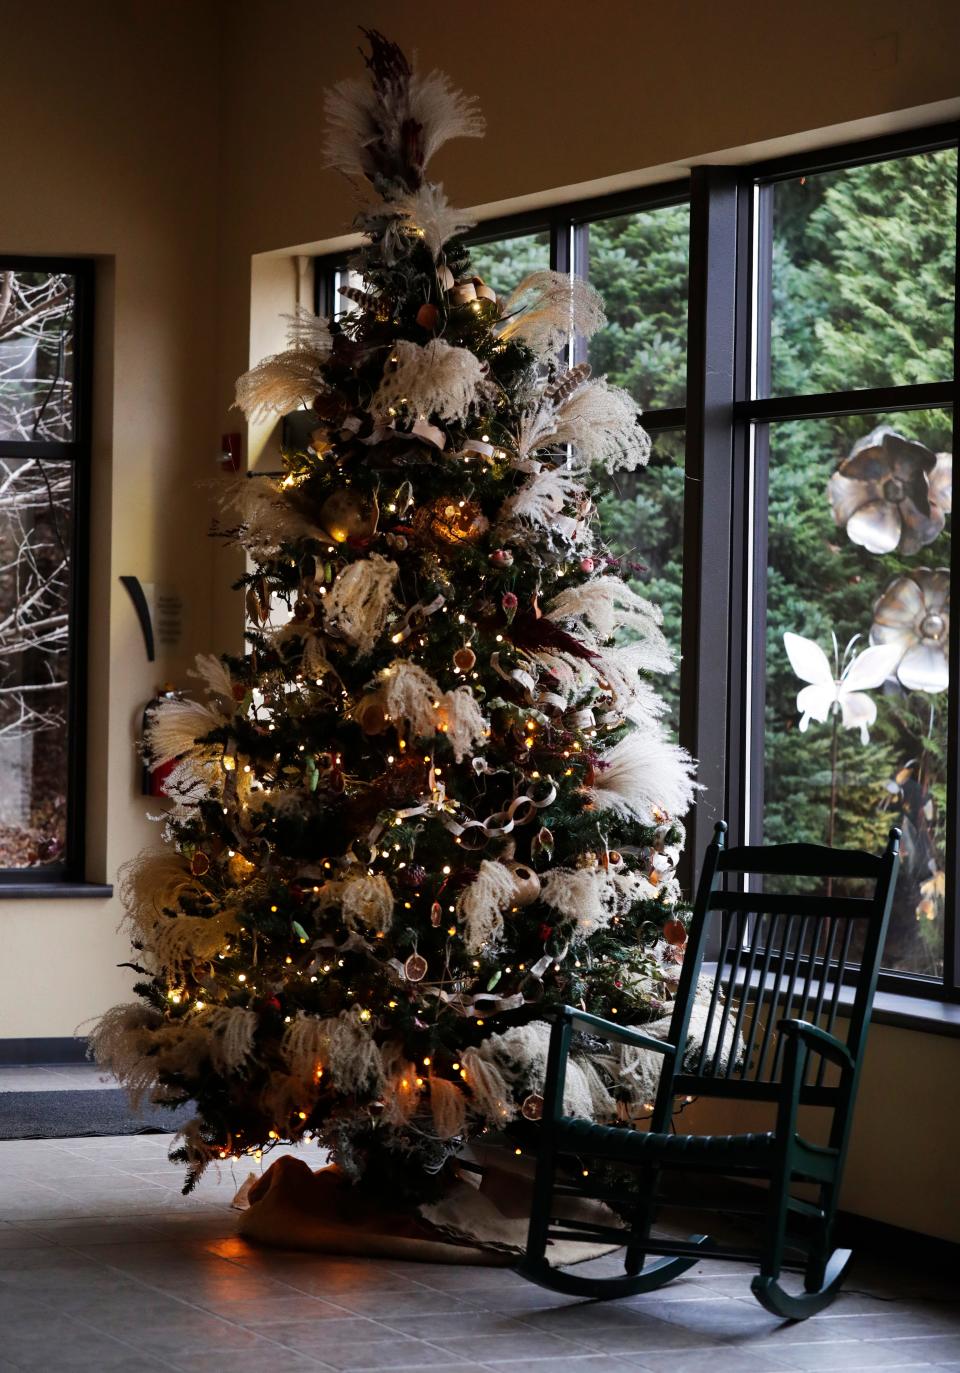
[481, 1220]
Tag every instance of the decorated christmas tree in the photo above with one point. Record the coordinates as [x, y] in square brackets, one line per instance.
[438, 800]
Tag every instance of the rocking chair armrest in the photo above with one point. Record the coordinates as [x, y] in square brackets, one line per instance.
[624, 1032]
[818, 1040]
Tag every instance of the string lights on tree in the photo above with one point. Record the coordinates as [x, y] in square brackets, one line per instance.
[438, 800]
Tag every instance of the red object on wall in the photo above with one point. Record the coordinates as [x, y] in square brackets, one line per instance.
[231, 452]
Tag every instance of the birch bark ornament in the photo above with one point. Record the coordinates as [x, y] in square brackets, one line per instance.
[526, 888]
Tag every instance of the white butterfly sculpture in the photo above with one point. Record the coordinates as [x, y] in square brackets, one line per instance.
[832, 689]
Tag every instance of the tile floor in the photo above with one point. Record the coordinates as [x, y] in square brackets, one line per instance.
[105, 1266]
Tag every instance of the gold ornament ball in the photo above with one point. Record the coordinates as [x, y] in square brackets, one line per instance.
[347, 515]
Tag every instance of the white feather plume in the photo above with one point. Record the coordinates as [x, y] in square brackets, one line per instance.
[340, 1046]
[120, 1042]
[279, 384]
[360, 601]
[645, 777]
[587, 897]
[231, 1031]
[304, 1047]
[461, 720]
[214, 672]
[307, 332]
[360, 115]
[435, 378]
[268, 520]
[448, 1108]
[541, 499]
[481, 905]
[602, 422]
[428, 210]
[365, 901]
[412, 700]
[408, 693]
[608, 604]
[547, 308]
[490, 1095]
[174, 727]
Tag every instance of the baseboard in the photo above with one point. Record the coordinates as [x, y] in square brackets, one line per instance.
[731, 1198]
[892, 1241]
[38, 1052]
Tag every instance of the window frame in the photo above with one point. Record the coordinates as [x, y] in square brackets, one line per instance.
[731, 225]
[721, 650]
[67, 876]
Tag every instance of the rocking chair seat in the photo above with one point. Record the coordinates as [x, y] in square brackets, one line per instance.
[626, 1145]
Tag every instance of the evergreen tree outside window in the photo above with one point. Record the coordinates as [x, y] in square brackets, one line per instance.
[859, 269]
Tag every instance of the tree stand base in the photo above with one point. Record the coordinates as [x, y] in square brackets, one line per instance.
[293, 1207]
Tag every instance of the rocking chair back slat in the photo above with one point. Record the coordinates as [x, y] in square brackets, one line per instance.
[725, 925]
[739, 924]
[779, 956]
[770, 1014]
[801, 860]
[772, 939]
[753, 952]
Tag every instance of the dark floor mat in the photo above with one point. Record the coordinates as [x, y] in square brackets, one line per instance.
[62, 1115]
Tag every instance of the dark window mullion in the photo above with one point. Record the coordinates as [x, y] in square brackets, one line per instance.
[48, 449]
[951, 934]
[707, 552]
[560, 245]
[668, 418]
[927, 395]
[843, 155]
[754, 338]
[78, 658]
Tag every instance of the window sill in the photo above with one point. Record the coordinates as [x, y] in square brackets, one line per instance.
[917, 1013]
[54, 891]
[929, 1015]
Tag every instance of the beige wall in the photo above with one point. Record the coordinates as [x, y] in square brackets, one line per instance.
[180, 144]
[110, 151]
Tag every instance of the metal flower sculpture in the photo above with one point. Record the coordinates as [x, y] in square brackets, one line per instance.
[913, 614]
[835, 689]
[891, 493]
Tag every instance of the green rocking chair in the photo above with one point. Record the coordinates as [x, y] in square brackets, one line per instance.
[768, 1019]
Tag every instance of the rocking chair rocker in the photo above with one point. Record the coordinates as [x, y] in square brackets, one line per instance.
[774, 996]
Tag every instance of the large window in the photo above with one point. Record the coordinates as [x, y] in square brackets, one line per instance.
[790, 331]
[634, 251]
[44, 453]
[826, 341]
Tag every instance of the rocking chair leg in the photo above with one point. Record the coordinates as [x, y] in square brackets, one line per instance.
[642, 1221]
[819, 1254]
[540, 1208]
[774, 1299]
